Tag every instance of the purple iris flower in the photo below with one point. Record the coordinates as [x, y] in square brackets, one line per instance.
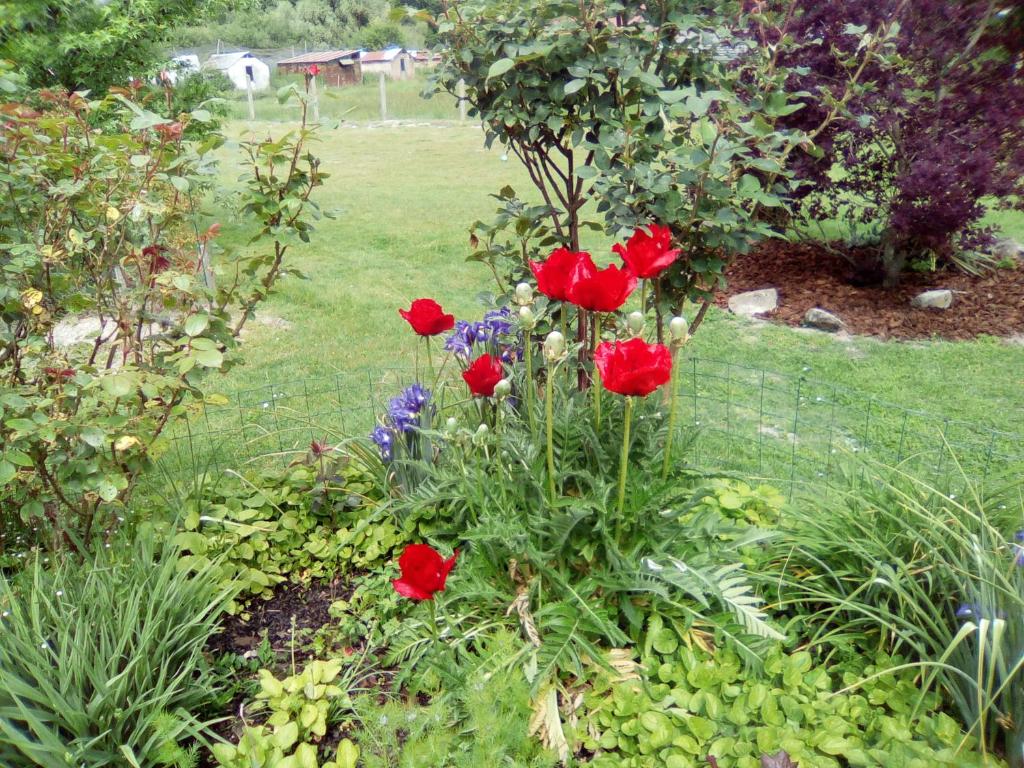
[494, 332]
[460, 341]
[1018, 558]
[384, 438]
[967, 611]
[498, 322]
[403, 416]
[404, 410]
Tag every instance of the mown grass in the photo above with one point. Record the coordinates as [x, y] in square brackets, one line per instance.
[402, 199]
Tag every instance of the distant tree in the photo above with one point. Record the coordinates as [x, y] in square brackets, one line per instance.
[381, 34]
[90, 44]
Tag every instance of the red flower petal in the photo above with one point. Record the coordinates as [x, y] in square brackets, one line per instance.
[424, 572]
[482, 375]
[648, 255]
[633, 368]
[600, 290]
[406, 589]
[553, 274]
[427, 318]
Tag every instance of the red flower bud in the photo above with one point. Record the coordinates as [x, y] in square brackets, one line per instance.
[648, 255]
[633, 368]
[553, 274]
[424, 572]
[483, 375]
[427, 318]
[600, 290]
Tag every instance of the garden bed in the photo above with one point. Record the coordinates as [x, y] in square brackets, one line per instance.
[807, 276]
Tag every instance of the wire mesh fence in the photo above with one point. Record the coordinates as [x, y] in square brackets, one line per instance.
[789, 429]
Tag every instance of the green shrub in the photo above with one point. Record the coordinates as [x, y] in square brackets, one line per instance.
[295, 525]
[690, 704]
[101, 663]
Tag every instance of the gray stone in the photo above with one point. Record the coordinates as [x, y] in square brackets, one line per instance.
[1007, 248]
[938, 299]
[823, 321]
[754, 302]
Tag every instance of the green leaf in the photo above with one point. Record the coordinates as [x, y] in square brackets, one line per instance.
[196, 324]
[500, 67]
[348, 754]
[7, 472]
[94, 436]
[209, 358]
[117, 384]
[305, 756]
[574, 85]
[286, 735]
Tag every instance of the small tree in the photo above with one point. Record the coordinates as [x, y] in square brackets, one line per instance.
[658, 112]
[934, 131]
[101, 226]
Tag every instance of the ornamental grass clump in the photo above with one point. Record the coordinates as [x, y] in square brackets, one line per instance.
[101, 661]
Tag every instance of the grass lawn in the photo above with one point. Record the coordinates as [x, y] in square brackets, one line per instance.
[403, 198]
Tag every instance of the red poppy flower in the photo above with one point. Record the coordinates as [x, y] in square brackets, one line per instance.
[600, 290]
[427, 318]
[482, 376]
[314, 70]
[648, 255]
[634, 367]
[553, 274]
[424, 572]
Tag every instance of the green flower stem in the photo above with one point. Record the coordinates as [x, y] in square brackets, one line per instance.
[670, 438]
[549, 412]
[595, 377]
[624, 456]
[643, 297]
[430, 359]
[528, 384]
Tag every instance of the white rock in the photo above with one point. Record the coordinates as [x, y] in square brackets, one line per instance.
[1007, 248]
[75, 330]
[939, 299]
[823, 321]
[754, 302]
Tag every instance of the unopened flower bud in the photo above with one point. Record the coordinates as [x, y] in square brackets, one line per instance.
[524, 294]
[679, 329]
[481, 434]
[451, 425]
[635, 323]
[554, 347]
[502, 389]
[527, 319]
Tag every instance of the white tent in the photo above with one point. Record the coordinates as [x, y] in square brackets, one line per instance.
[241, 67]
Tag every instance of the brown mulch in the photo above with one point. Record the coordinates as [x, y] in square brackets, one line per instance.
[808, 276]
[308, 605]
